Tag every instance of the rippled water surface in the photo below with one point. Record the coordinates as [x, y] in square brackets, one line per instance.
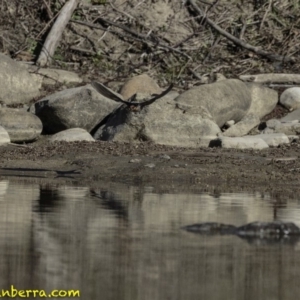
[122, 242]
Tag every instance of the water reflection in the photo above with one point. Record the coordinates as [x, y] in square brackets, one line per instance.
[122, 242]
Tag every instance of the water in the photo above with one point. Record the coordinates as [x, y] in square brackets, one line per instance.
[122, 242]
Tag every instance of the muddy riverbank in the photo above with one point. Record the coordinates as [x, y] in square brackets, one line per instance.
[148, 163]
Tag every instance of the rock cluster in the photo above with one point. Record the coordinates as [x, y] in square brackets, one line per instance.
[192, 119]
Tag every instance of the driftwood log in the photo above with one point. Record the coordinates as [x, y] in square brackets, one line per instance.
[55, 33]
[272, 78]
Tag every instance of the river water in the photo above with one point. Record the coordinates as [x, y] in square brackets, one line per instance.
[123, 242]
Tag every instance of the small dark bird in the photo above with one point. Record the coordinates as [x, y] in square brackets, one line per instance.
[106, 92]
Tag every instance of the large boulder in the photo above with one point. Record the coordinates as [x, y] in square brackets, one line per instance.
[161, 122]
[17, 85]
[193, 115]
[81, 107]
[21, 126]
[230, 100]
[220, 102]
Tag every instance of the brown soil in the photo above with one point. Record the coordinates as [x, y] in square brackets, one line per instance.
[88, 163]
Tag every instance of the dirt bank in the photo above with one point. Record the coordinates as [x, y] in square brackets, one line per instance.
[146, 163]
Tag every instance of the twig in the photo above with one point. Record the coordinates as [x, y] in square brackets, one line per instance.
[195, 74]
[49, 12]
[265, 15]
[121, 12]
[271, 56]
[86, 51]
[211, 49]
[137, 36]
[243, 29]
[282, 85]
[56, 33]
[46, 27]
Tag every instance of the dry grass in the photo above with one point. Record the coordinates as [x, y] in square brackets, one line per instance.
[271, 25]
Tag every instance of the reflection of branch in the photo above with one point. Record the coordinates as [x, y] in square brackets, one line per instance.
[271, 56]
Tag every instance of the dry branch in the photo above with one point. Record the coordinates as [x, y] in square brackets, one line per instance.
[55, 33]
[272, 78]
[271, 56]
[136, 36]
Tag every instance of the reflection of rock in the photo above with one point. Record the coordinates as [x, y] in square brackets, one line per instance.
[260, 230]
[3, 188]
[15, 234]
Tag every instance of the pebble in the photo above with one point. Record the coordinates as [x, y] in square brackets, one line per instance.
[135, 160]
[151, 166]
[164, 156]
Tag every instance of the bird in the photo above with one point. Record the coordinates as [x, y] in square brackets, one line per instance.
[130, 102]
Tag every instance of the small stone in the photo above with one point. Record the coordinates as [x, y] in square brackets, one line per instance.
[165, 157]
[151, 166]
[135, 160]
[293, 138]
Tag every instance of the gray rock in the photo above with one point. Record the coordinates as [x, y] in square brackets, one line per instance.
[72, 135]
[17, 85]
[135, 160]
[4, 136]
[219, 102]
[290, 128]
[293, 138]
[272, 139]
[80, 107]
[263, 99]
[292, 116]
[204, 141]
[242, 128]
[230, 100]
[267, 131]
[151, 165]
[290, 98]
[273, 123]
[139, 84]
[239, 143]
[197, 113]
[21, 126]
[229, 123]
[164, 157]
[160, 122]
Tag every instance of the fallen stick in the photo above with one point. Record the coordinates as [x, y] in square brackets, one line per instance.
[55, 33]
[135, 35]
[271, 56]
[272, 78]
